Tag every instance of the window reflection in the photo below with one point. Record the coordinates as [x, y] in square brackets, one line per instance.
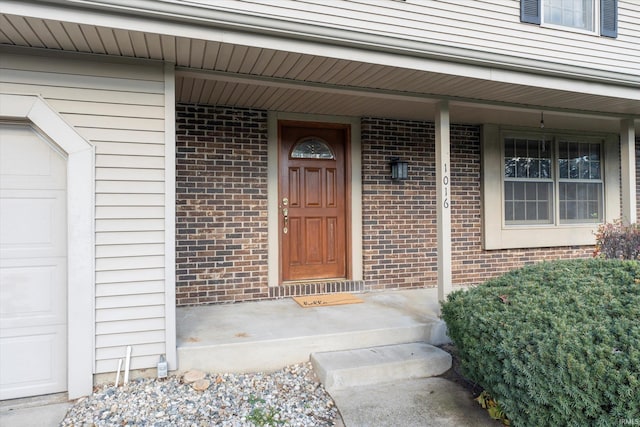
[312, 148]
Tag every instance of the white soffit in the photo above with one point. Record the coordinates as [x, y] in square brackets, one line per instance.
[273, 26]
[333, 69]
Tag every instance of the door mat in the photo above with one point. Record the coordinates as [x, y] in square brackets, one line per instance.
[325, 300]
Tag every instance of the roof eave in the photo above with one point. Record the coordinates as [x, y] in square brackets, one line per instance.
[215, 16]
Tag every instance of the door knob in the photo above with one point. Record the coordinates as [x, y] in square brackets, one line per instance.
[285, 214]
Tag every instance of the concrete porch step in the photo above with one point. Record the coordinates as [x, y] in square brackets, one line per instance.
[268, 335]
[338, 370]
[250, 353]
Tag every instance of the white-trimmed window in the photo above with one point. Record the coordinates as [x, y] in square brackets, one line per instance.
[580, 180]
[570, 13]
[552, 188]
[536, 169]
[593, 16]
[528, 181]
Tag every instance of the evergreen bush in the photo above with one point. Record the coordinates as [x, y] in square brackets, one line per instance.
[556, 344]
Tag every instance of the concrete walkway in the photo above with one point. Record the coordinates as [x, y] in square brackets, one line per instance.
[424, 402]
[290, 331]
[41, 411]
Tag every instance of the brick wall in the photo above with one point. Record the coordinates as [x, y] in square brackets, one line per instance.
[399, 217]
[470, 263]
[400, 246]
[221, 209]
[221, 204]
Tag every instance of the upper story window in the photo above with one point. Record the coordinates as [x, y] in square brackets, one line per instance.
[570, 13]
[595, 16]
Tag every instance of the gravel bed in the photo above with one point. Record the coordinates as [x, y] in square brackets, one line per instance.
[290, 397]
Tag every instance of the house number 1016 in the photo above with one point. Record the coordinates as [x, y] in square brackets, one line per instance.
[445, 188]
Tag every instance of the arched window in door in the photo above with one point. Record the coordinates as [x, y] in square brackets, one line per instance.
[312, 148]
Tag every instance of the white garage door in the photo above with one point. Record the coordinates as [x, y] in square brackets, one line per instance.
[33, 275]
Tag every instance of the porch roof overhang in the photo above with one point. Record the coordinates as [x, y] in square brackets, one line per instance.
[223, 57]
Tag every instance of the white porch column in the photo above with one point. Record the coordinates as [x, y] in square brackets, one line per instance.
[443, 198]
[171, 350]
[628, 170]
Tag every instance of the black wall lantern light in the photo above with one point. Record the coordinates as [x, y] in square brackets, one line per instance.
[399, 169]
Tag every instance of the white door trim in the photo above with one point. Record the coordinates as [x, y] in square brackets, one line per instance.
[80, 231]
[273, 259]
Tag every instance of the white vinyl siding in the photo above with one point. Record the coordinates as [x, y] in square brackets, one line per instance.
[484, 25]
[119, 108]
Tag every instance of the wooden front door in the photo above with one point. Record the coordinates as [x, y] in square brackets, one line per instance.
[312, 201]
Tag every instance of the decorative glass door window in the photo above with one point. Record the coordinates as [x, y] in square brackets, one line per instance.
[312, 148]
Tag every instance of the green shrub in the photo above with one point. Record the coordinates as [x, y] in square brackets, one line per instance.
[618, 240]
[556, 344]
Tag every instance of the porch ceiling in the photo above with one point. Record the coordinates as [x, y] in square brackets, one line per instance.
[226, 74]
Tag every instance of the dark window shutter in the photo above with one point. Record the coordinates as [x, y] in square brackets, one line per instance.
[530, 11]
[609, 18]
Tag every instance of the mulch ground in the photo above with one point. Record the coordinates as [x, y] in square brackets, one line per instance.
[454, 374]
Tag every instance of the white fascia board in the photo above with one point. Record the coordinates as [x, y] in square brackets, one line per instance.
[564, 84]
[181, 20]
